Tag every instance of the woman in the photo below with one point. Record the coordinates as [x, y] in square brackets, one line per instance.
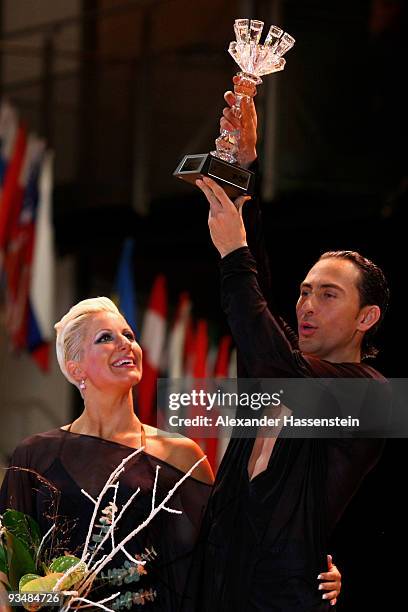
[98, 353]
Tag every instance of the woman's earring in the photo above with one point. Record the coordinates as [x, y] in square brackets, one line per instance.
[82, 385]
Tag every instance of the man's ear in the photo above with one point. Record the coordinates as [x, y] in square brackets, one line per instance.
[75, 370]
[368, 317]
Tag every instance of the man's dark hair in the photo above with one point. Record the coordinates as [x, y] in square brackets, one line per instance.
[373, 290]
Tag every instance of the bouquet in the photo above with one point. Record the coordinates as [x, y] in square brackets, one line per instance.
[31, 581]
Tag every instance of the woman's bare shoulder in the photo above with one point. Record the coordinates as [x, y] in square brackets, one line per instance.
[179, 451]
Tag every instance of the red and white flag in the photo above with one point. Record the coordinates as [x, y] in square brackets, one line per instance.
[177, 338]
[221, 369]
[232, 368]
[12, 192]
[152, 341]
[42, 287]
[20, 238]
[200, 350]
[199, 357]
[216, 446]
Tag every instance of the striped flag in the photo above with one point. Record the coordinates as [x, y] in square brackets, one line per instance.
[152, 341]
[232, 367]
[20, 245]
[12, 192]
[26, 237]
[223, 357]
[200, 350]
[177, 339]
[221, 370]
[199, 370]
[42, 286]
[189, 349]
[8, 133]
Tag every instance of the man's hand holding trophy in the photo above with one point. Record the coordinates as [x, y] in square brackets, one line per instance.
[254, 60]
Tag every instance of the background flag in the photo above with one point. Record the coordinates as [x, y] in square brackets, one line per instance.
[19, 247]
[152, 341]
[125, 293]
[42, 288]
[177, 339]
[216, 446]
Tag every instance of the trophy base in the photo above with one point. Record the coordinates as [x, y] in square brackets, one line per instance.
[235, 181]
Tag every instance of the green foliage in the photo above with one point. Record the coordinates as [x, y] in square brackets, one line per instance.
[128, 599]
[20, 540]
[3, 558]
[42, 584]
[26, 578]
[23, 527]
[19, 545]
[122, 575]
[62, 564]
[34, 583]
[19, 560]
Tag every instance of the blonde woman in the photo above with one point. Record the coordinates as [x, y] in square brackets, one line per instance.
[97, 352]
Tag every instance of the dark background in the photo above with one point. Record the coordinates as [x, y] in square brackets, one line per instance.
[150, 84]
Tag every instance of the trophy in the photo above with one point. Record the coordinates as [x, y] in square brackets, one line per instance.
[255, 60]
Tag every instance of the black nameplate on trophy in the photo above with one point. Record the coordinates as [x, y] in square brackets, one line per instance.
[233, 179]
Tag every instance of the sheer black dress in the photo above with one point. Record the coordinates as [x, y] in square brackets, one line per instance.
[264, 541]
[60, 463]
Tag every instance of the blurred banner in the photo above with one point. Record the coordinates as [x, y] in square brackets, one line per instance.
[27, 258]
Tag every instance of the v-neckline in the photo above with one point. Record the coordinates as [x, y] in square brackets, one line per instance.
[251, 479]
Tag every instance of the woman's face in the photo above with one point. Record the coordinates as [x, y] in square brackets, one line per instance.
[111, 357]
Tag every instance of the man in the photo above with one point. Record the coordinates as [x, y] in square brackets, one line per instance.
[275, 501]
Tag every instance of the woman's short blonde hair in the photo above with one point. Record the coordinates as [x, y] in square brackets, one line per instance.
[71, 330]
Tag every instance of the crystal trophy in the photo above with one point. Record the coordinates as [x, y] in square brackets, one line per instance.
[255, 60]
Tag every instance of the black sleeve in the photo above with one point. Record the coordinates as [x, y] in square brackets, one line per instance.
[252, 215]
[18, 488]
[264, 348]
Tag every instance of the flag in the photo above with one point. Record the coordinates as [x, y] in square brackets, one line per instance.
[199, 354]
[216, 447]
[12, 192]
[152, 341]
[189, 349]
[177, 338]
[200, 350]
[232, 368]
[221, 368]
[125, 294]
[8, 132]
[20, 243]
[220, 371]
[41, 313]
[173, 356]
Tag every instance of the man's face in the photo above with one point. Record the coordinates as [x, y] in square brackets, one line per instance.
[328, 311]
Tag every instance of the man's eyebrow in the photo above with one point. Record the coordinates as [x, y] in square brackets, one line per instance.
[323, 286]
[331, 286]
